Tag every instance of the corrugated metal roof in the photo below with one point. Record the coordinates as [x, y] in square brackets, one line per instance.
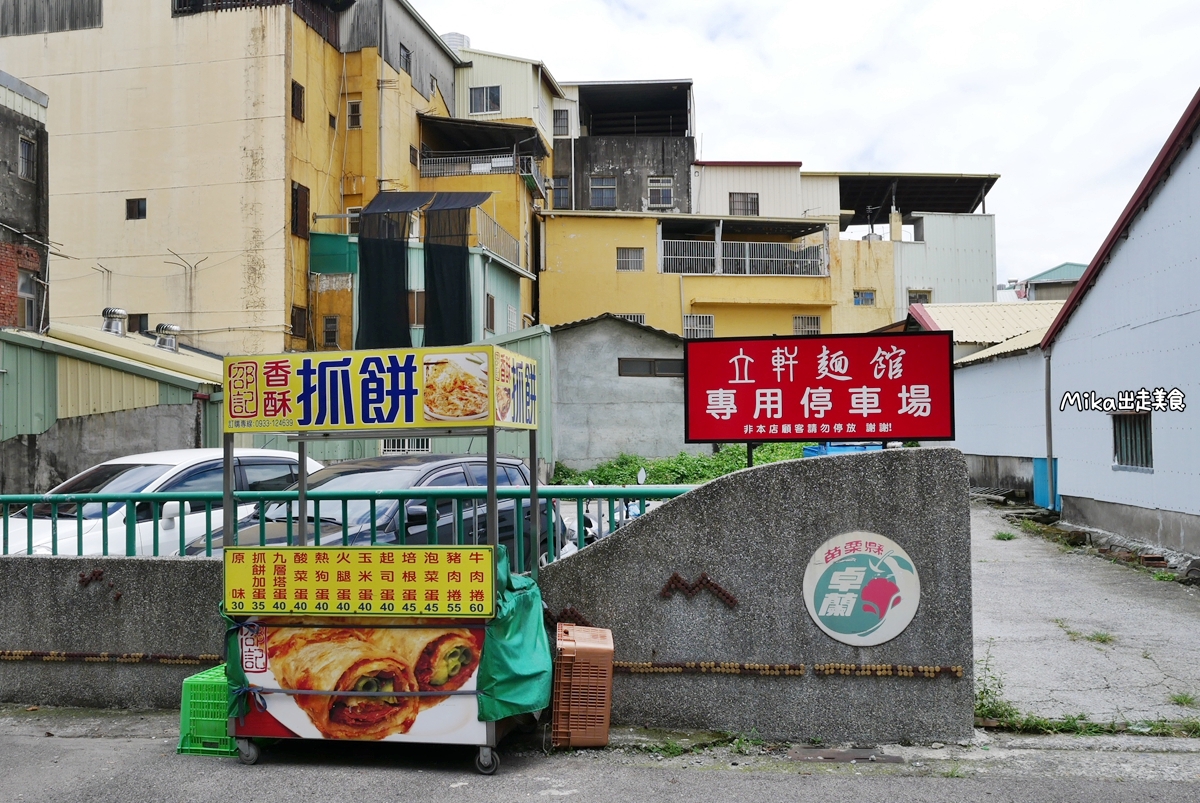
[141, 350]
[1013, 345]
[133, 354]
[85, 388]
[989, 322]
[1066, 272]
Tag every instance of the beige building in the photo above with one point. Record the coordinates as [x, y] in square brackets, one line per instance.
[189, 170]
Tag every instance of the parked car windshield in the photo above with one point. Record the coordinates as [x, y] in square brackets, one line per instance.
[357, 511]
[110, 478]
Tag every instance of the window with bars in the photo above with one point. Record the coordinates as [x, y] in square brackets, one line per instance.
[1132, 441]
[604, 192]
[696, 327]
[631, 259]
[354, 114]
[743, 203]
[660, 190]
[298, 101]
[416, 307]
[562, 123]
[806, 324]
[641, 366]
[864, 298]
[413, 155]
[300, 210]
[635, 317]
[485, 99]
[353, 220]
[27, 160]
[406, 59]
[562, 192]
[26, 300]
[300, 322]
[405, 446]
[514, 318]
[135, 208]
[331, 330]
[920, 296]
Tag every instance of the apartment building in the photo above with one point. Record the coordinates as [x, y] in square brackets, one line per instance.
[195, 167]
[769, 249]
[24, 204]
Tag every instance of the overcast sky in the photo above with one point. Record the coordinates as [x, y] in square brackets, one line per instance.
[1068, 101]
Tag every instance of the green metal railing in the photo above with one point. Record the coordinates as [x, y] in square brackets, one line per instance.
[112, 534]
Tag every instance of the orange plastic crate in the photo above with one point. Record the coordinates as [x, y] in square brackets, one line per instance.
[582, 686]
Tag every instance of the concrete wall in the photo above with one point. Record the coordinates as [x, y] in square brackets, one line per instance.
[753, 532]
[165, 606]
[955, 258]
[1166, 529]
[1136, 328]
[632, 160]
[36, 463]
[1001, 471]
[598, 414]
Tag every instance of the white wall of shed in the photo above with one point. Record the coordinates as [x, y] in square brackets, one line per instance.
[1138, 326]
[999, 407]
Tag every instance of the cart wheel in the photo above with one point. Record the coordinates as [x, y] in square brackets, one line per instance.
[248, 751]
[487, 761]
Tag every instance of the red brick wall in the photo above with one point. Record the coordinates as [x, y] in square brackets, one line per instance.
[12, 258]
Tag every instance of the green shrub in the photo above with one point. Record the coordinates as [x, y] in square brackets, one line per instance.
[682, 469]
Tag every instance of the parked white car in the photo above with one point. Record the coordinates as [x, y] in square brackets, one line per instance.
[178, 471]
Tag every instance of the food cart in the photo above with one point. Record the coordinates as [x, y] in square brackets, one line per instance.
[397, 643]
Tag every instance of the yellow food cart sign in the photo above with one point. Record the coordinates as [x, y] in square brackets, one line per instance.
[452, 581]
[433, 388]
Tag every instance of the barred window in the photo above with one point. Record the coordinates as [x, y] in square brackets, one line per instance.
[562, 123]
[920, 296]
[27, 163]
[660, 190]
[514, 318]
[405, 446]
[631, 259]
[331, 330]
[354, 114]
[604, 192]
[696, 327]
[635, 317]
[806, 324]
[298, 101]
[406, 59]
[864, 298]
[743, 203]
[1132, 441]
[562, 192]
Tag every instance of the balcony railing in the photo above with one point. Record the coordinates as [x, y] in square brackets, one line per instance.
[486, 164]
[698, 257]
[496, 239]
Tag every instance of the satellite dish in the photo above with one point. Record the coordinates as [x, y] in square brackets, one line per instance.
[641, 476]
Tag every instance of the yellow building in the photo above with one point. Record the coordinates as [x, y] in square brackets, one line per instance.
[725, 270]
[190, 171]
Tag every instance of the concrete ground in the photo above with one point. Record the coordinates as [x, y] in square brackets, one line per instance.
[1043, 611]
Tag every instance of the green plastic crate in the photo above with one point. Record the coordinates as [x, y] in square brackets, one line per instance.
[204, 715]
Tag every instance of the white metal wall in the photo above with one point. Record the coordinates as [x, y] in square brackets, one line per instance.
[820, 195]
[778, 189]
[956, 260]
[1139, 326]
[519, 95]
[999, 407]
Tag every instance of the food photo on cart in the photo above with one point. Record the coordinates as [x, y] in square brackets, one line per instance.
[396, 607]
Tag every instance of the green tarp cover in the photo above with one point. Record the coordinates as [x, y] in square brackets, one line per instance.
[515, 670]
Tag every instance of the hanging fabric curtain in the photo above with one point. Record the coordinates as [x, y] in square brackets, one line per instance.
[383, 270]
[448, 319]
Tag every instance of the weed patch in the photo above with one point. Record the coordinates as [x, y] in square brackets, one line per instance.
[1004, 536]
[1184, 699]
[1100, 637]
[1165, 576]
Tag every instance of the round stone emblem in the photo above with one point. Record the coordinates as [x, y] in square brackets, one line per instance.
[862, 589]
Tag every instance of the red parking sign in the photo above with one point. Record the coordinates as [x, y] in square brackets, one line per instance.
[872, 387]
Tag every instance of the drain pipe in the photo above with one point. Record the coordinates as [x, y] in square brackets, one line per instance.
[1049, 436]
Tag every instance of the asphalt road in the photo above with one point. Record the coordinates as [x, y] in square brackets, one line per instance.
[109, 756]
